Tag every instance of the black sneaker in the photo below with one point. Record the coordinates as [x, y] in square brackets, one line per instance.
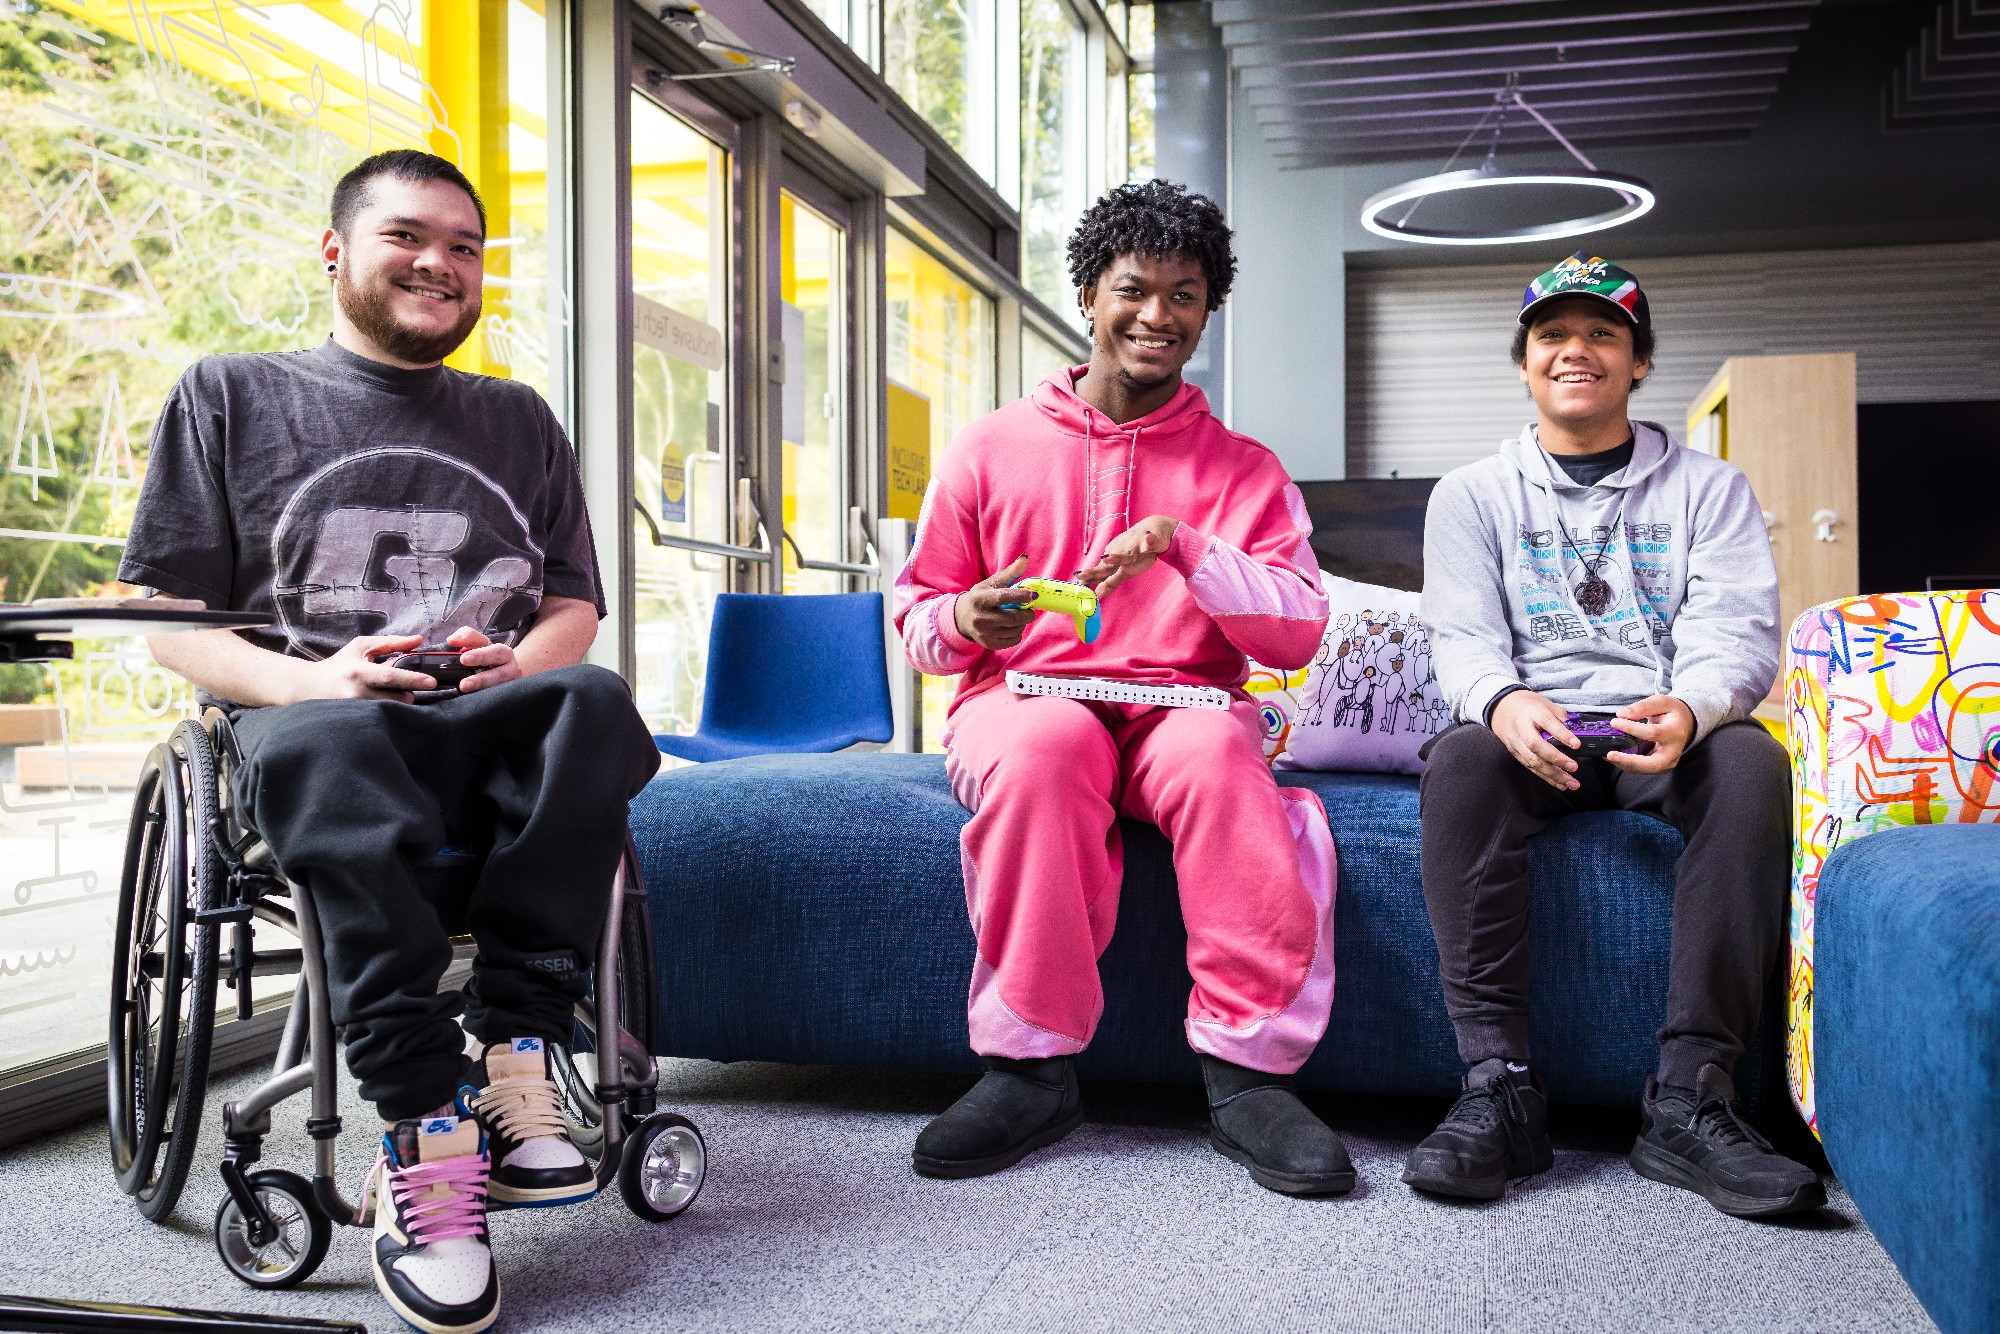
[1014, 1109]
[1701, 1142]
[1256, 1119]
[1497, 1130]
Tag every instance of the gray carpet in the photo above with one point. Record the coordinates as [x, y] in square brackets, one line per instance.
[812, 1220]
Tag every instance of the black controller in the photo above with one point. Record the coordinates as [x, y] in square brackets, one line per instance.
[442, 666]
[1596, 737]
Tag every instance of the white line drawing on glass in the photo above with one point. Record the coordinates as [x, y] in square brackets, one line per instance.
[112, 465]
[40, 443]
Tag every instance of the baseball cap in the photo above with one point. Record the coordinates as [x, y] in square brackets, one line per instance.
[1585, 274]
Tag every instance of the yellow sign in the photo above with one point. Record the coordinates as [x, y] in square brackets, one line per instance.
[673, 484]
[909, 450]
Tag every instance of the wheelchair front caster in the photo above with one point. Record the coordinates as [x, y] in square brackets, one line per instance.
[663, 1167]
[293, 1252]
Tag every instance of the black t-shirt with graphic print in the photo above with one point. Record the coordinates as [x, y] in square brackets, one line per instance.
[342, 497]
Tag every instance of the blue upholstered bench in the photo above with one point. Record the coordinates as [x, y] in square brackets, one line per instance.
[809, 909]
[1907, 1025]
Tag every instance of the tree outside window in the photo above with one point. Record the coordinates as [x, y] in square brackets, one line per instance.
[1052, 147]
[938, 54]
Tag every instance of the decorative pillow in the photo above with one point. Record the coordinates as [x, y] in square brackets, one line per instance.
[1278, 694]
[1370, 699]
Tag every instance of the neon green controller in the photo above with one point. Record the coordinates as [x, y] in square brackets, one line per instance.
[1076, 601]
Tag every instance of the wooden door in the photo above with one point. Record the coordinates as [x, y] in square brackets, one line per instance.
[1791, 429]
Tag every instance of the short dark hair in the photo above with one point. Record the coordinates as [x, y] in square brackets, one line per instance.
[1155, 219]
[1643, 343]
[351, 194]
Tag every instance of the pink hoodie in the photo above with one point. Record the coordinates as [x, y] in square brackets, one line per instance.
[1051, 478]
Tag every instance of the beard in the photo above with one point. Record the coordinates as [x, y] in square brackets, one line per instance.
[369, 310]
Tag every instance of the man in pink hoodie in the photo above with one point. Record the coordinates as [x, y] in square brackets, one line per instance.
[1197, 543]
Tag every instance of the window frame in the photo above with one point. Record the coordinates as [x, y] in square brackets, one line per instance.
[51, 1093]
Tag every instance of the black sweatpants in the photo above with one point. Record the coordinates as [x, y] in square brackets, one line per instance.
[1729, 797]
[351, 794]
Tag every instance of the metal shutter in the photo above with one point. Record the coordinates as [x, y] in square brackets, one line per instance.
[1429, 386]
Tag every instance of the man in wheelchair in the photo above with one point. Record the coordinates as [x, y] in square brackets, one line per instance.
[372, 502]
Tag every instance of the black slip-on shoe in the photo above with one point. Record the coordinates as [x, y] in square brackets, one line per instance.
[1014, 1109]
[1497, 1131]
[1256, 1119]
[1699, 1140]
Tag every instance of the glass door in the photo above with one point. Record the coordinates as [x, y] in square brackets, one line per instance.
[812, 255]
[683, 480]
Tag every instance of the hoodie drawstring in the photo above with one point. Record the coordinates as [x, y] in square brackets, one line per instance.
[1095, 489]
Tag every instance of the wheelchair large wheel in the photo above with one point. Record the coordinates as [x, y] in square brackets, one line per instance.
[163, 974]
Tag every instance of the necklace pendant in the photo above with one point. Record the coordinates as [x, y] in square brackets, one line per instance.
[1593, 595]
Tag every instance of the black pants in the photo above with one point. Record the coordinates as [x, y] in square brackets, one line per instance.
[1729, 797]
[352, 794]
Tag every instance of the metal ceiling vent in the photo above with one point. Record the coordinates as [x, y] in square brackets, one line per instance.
[1392, 212]
[1951, 77]
[1336, 82]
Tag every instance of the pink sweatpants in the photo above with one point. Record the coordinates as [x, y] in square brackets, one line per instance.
[1045, 779]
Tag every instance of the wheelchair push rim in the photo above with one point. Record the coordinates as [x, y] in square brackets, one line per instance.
[163, 975]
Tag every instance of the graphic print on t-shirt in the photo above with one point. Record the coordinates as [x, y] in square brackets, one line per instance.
[400, 540]
[1638, 568]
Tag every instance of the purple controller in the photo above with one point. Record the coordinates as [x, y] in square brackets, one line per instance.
[1596, 737]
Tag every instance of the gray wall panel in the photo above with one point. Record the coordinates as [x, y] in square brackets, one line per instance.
[1286, 317]
[1429, 386]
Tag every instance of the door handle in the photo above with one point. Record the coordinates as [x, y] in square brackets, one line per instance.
[1823, 521]
[830, 566]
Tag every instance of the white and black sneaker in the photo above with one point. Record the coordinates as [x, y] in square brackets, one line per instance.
[432, 1261]
[534, 1163]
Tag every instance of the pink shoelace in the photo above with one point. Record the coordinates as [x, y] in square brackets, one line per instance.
[438, 1201]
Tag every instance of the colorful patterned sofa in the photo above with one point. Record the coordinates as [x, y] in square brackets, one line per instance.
[1894, 1049]
[1894, 721]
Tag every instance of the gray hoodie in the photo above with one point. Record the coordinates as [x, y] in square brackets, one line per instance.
[1694, 593]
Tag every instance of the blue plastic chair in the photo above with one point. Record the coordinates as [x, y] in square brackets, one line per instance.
[791, 674]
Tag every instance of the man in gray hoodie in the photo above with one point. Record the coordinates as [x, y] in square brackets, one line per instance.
[1595, 565]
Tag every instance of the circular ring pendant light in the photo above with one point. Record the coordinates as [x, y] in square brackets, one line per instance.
[1635, 197]
[1635, 201]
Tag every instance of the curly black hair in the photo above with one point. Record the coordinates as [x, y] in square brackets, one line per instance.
[1155, 219]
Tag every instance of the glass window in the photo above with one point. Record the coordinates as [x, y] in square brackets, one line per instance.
[1114, 18]
[1139, 35]
[1117, 126]
[833, 13]
[813, 278]
[1139, 152]
[166, 187]
[1040, 358]
[941, 345]
[1053, 160]
[852, 21]
[939, 55]
[681, 458]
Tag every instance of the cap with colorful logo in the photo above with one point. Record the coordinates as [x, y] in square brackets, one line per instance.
[1584, 274]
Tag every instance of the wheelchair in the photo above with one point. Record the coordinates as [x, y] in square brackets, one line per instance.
[192, 868]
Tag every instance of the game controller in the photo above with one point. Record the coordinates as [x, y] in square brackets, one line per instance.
[441, 665]
[1596, 737]
[1076, 601]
